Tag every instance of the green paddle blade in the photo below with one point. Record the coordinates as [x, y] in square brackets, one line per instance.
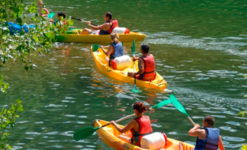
[95, 47]
[84, 133]
[135, 90]
[161, 104]
[50, 15]
[133, 47]
[178, 105]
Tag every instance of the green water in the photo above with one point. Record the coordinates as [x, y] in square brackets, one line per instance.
[200, 48]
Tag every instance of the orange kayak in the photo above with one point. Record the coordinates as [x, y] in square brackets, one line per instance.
[110, 136]
[159, 83]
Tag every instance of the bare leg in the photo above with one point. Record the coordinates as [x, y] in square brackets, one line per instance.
[85, 31]
[181, 146]
[125, 138]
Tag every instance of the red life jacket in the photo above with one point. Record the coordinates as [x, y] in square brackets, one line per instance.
[114, 25]
[144, 129]
[149, 68]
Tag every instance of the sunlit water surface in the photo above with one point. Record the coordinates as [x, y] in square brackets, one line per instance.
[200, 49]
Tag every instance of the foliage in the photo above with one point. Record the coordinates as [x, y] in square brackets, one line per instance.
[23, 45]
[8, 117]
[20, 46]
[3, 86]
[244, 147]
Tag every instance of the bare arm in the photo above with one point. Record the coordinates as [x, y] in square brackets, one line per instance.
[195, 131]
[128, 127]
[110, 51]
[221, 146]
[98, 27]
[140, 66]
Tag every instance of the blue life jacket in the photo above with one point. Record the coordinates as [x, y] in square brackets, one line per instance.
[16, 28]
[118, 50]
[211, 141]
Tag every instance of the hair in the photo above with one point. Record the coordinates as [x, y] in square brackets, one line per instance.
[61, 14]
[108, 14]
[114, 37]
[145, 48]
[209, 119]
[40, 2]
[139, 106]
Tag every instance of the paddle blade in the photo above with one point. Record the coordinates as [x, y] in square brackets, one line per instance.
[84, 133]
[161, 104]
[95, 47]
[135, 90]
[50, 15]
[178, 105]
[133, 47]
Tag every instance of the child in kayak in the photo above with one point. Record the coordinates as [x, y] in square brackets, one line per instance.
[208, 137]
[103, 29]
[42, 11]
[139, 126]
[146, 65]
[115, 48]
[61, 20]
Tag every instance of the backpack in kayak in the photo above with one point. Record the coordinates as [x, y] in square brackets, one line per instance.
[154, 141]
[121, 63]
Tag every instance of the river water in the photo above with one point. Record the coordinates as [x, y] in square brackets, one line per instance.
[200, 48]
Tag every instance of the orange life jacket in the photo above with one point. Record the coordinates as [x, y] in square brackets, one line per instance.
[114, 25]
[144, 129]
[149, 68]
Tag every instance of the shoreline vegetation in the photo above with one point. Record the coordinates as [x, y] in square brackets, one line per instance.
[20, 47]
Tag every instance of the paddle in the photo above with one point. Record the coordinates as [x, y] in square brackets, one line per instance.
[180, 107]
[50, 15]
[95, 47]
[135, 89]
[88, 131]
[82, 20]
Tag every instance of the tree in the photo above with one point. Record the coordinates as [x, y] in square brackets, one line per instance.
[8, 117]
[20, 46]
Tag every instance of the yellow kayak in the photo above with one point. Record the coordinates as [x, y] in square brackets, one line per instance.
[110, 136]
[121, 75]
[102, 39]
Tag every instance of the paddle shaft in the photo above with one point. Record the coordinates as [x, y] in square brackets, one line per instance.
[82, 20]
[192, 122]
[119, 120]
[79, 19]
[134, 67]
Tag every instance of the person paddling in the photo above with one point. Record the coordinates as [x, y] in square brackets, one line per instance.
[146, 65]
[208, 137]
[139, 126]
[115, 48]
[105, 28]
[42, 11]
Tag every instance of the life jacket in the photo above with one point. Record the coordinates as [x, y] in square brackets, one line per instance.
[118, 50]
[114, 25]
[211, 141]
[149, 68]
[61, 24]
[145, 128]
